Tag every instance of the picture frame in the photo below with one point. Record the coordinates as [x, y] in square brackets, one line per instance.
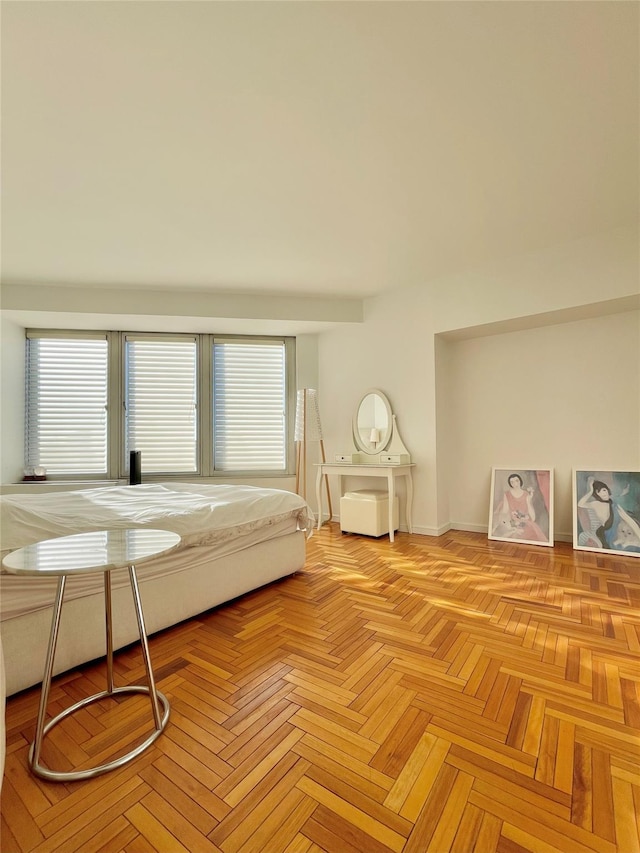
[521, 506]
[606, 512]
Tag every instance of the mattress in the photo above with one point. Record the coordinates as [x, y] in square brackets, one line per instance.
[224, 519]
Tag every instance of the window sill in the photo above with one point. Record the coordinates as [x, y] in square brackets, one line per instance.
[54, 485]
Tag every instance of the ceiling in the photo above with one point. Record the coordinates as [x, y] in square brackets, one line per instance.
[309, 148]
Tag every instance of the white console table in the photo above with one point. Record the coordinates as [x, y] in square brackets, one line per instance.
[368, 469]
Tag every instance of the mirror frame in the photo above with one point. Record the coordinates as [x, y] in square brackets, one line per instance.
[360, 443]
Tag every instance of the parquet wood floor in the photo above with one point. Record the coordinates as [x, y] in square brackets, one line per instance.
[448, 694]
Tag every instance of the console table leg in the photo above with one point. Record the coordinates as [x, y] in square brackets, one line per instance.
[391, 493]
[409, 482]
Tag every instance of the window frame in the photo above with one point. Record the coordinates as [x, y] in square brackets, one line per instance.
[117, 464]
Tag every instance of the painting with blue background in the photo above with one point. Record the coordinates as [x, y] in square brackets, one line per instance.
[607, 511]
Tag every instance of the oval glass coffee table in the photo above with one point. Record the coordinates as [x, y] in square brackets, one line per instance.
[99, 551]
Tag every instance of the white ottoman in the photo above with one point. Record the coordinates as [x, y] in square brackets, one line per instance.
[367, 511]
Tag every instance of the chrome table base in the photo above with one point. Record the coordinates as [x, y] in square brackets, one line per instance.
[158, 700]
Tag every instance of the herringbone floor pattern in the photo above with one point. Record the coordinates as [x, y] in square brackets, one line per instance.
[448, 694]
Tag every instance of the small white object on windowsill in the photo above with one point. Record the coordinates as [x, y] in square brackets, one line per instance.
[36, 474]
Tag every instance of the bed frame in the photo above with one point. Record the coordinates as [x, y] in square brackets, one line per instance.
[206, 581]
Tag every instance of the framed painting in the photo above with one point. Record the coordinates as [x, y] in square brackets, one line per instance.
[606, 512]
[521, 506]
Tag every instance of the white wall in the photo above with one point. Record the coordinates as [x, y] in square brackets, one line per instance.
[414, 345]
[406, 348]
[307, 361]
[393, 351]
[11, 401]
[561, 278]
[562, 397]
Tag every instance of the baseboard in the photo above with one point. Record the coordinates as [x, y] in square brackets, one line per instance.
[482, 528]
[563, 537]
[468, 528]
[432, 531]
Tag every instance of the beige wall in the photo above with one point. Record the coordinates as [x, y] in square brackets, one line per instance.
[435, 351]
[407, 348]
[11, 400]
[562, 397]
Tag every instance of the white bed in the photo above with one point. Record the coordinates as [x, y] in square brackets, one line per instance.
[234, 539]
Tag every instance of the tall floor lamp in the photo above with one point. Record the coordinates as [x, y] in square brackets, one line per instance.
[308, 428]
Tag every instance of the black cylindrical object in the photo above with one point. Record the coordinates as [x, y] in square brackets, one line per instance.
[135, 467]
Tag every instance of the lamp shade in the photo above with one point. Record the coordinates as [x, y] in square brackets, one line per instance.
[374, 437]
[308, 427]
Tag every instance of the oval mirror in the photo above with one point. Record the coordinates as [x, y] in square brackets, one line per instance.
[372, 422]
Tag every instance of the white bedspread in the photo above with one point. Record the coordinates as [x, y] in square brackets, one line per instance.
[201, 514]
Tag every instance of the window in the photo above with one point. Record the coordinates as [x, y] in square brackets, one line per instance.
[194, 405]
[66, 404]
[249, 406]
[161, 402]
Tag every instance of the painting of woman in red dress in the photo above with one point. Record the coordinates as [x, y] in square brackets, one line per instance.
[521, 507]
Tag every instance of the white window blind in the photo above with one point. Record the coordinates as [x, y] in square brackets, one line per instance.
[66, 404]
[161, 403]
[249, 428]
